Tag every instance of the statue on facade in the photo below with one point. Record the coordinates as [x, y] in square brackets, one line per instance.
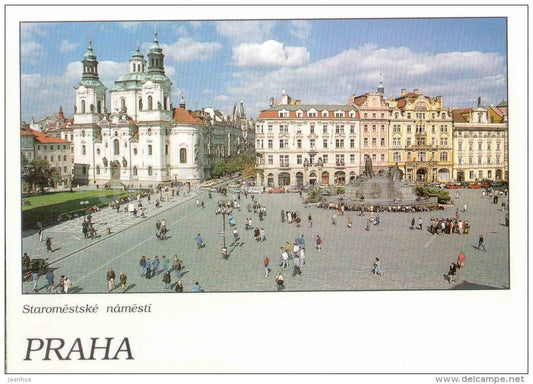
[368, 167]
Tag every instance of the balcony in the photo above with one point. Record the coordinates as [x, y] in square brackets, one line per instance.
[340, 164]
[284, 165]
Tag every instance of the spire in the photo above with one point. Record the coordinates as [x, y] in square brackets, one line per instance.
[381, 88]
[90, 63]
[156, 63]
[60, 114]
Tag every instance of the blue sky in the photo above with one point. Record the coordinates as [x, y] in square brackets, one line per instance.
[219, 63]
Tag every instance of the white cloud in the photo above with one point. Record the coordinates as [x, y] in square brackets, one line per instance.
[460, 77]
[245, 31]
[31, 51]
[186, 49]
[300, 29]
[130, 25]
[271, 53]
[67, 46]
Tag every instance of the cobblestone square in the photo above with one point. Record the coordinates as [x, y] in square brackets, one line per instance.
[410, 259]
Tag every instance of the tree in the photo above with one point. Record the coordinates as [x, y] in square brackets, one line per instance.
[219, 169]
[38, 173]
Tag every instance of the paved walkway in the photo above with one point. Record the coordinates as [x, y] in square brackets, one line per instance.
[411, 259]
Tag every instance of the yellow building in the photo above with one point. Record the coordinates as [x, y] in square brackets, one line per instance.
[420, 137]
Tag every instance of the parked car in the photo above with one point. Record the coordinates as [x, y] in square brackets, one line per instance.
[276, 190]
[453, 186]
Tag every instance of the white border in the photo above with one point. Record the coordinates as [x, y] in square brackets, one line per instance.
[411, 332]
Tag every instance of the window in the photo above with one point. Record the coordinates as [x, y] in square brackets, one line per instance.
[374, 141]
[64, 157]
[339, 128]
[45, 147]
[284, 160]
[149, 149]
[150, 171]
[51, 157]
[382, 143]
[339, 159]
[325, 143]
[183, 155]
[365, 142]
[150, 103]
[498, 146]
[352, 143]
[83, 150]
[471, 174]
[382, 157]
[488, 146]
[312, 144]
[479, 160]
[270, 128]
[444, 129]
[352, 128]
[459, 145]
[325, 158]
[480, 174]
[311, 114]
[396, 142]
[365, 128]
[324, 128]
[135, 171]
[460, 160]
[489, 174]
[396, 157]
[97, 169]
[443, 141]
[408, 129]
[283, 128]
[374, 128]
[299, 143]
[488, 160]
[270, 159]
[421, 156]
[38, 147]
[65, 170]
[374, 157]
[270, 143]
[339, 143]
[352, 158]
[408, 142]
[298, 159]
[470, 160]
[444, 156]
[312, 128]
[421, 141]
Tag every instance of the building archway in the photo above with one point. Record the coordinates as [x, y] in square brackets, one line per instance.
[312, 178]
[284, 179]
[352, 176]
[444, 174]
[340, 177]
[270, 179]
[460, 176]
[299, 178]
[325, 178]
[498, 174]
[421, 174]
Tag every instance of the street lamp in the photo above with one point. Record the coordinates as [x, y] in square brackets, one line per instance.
[225, 211]
[84, 204]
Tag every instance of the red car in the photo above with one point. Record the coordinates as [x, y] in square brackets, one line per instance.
[452, 186]
[276, 190]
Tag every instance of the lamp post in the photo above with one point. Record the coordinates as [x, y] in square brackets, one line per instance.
[225, 211]
[84, 204]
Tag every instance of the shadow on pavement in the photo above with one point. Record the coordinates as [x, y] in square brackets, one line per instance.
[468, 285]
[131, 286]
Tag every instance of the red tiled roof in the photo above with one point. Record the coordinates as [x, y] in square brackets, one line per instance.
[458, 115]
[181, 115]
[42, 138]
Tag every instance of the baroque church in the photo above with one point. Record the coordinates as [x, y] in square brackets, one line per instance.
[143, 140]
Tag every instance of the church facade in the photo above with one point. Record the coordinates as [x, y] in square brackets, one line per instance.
[143, 140]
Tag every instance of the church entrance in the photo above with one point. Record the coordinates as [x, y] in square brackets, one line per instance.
[421, 175]
[115, 170]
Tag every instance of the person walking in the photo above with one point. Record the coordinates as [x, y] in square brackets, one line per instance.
[461, 258]
[480, 242]
[279, 281]
[420, 223]
[199, 241]
[34, 279]
[296, 270]
[350, 222]
[284, 259]
[412, 223]
[123, 280]
[197, 287]
[166, 281]
[318, 243]
[377, 267]
[49, 244]
[452, 272]
[67, 286]
[142, 264]
[179, 287]
[301, 240]
[179, 268]
[265, 263]
[155, 266]
[164, 263]
[148, 268]
[50, 281]
[110, 280]
[309, 222]
[175, 261]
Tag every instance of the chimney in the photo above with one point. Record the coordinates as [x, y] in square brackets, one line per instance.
[404, 91]
[416, 91]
